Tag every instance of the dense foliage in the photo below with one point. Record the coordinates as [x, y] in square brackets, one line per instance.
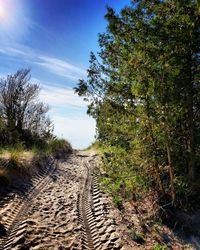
[143, 90]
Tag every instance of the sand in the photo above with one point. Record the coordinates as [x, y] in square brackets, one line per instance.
[68, 211]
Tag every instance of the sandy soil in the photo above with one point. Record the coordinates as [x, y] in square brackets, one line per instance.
[53, 222]
[67, 212]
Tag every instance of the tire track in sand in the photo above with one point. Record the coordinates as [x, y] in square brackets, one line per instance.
[70, 212]
[15, 223]
[98, 230]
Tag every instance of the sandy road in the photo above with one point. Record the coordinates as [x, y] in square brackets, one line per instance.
[68, 211]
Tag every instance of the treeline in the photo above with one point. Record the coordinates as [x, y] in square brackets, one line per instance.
[23, 118]
[143, 89]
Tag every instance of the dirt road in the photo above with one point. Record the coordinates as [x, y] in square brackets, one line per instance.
[65, 209]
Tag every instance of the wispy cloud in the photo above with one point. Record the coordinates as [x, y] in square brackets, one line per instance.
[71, 122]
[61, 67]
[12, 52]
[60, 97]
[51, 64]
[67, 111]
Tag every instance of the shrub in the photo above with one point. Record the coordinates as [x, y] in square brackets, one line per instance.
[159, 247]
[59, 146]
[118, 202]
[123, 175]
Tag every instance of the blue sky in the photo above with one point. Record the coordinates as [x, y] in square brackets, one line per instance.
[54, 39]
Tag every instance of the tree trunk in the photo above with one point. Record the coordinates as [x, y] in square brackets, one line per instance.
[154, 143]
[191, 153]
[171, 172]
[191, 165]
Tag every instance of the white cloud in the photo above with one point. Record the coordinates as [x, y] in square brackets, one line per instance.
[79, 131]
[67, 109]
[75, 125]
[60, 97]
[12, 52]
[51, 64]
[61, 67]
[68, 114]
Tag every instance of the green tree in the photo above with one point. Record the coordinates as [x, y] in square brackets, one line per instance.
[144, 92]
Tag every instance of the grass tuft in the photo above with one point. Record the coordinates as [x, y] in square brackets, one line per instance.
[20, 163]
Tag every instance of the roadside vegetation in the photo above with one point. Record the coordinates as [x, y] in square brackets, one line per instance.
[143, 89]
[26, 132]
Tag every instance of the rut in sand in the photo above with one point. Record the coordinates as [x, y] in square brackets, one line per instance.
[64, 209]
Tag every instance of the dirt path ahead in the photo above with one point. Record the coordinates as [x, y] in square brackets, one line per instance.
[65, 210]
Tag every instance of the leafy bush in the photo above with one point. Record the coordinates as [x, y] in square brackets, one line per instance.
[123, 177]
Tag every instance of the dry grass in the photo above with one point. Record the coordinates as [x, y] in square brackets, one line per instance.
[17, 164]
[17, 156]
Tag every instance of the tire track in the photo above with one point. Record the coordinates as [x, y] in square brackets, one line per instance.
[16, 224]
[53, 222]
[98, 230]
[85, 213]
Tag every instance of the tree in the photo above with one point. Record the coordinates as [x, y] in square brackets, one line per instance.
[148, 77]
[20, 109]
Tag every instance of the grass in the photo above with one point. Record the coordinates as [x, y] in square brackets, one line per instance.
[160, 247]
[18, 162]
[18, 152]
[94, 145]
[24, 162]
[16, 156]
[56, 146]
